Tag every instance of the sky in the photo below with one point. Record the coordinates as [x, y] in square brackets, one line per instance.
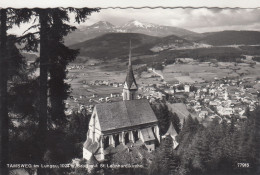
[127, 3]
[197, 20]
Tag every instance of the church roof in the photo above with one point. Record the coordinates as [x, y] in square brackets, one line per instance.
[90, 145]
[123, 114]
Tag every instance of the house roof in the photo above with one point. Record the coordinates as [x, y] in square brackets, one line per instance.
[147, 134]
[172, 132]
[124, 114]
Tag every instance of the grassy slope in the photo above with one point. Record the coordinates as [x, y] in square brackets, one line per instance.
[231, 37]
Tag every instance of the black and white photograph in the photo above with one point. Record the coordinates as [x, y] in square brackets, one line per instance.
[130, 89]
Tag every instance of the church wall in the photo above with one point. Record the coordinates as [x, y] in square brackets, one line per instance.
[128, 93]
[94, 127]
[150, 145]
[157, 132]
[140, 135]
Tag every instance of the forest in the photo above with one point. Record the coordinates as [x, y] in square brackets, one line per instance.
[34, 128]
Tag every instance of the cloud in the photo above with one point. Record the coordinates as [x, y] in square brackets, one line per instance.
[198, 20]
[192, 19]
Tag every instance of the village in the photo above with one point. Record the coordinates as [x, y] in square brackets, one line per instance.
[220, 98]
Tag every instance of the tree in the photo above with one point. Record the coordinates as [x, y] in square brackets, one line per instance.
[59, 59]
[10, 70]
[166, 161]
[202, 156]
[175, 121]
[165, 116]
[4, 122]
[54, 57]
[44, 20]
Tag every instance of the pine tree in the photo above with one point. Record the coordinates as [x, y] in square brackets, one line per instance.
[59, 59]
[165, 116]
[44, 21]
[202, 156]
[7, 20]
[4, 122]
[175, 121]
[162, 113]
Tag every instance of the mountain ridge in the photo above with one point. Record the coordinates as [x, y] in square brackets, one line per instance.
[133, 26]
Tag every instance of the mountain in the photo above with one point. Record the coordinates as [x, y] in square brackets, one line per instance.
[231, 38]
[116, 45]
[102, 27]
[135, 26]
[84, 33]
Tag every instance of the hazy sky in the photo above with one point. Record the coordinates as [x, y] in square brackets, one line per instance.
[198, 20]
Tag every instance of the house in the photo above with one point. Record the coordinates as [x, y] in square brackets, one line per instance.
[203, 114]
[113, 95]
[172, 132]
[187, 88]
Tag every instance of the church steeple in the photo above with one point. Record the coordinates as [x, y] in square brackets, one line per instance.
[130, 85]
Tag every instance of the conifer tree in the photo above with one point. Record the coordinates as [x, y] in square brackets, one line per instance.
[8, 17]
[4, 122]
[201, 158]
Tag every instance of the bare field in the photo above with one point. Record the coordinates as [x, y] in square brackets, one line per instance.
[188, 73]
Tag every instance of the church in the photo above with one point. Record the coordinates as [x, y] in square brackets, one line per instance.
[126, 123]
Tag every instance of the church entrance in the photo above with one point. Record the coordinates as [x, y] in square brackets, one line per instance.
[127, 138]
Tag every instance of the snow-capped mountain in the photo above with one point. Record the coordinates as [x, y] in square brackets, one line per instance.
[135, 26]
[138, 24]
[102, 24]
[102, 27]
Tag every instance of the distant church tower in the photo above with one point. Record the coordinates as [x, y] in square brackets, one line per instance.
[130, 87]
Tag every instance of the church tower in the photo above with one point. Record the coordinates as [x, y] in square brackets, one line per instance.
[130, 87]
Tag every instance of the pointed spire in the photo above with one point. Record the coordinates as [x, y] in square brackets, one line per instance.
[130, 79]
[130, 54]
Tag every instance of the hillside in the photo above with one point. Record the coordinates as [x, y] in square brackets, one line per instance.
[116, 45]
[171, 42]
[84, 33]
[231, 38]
